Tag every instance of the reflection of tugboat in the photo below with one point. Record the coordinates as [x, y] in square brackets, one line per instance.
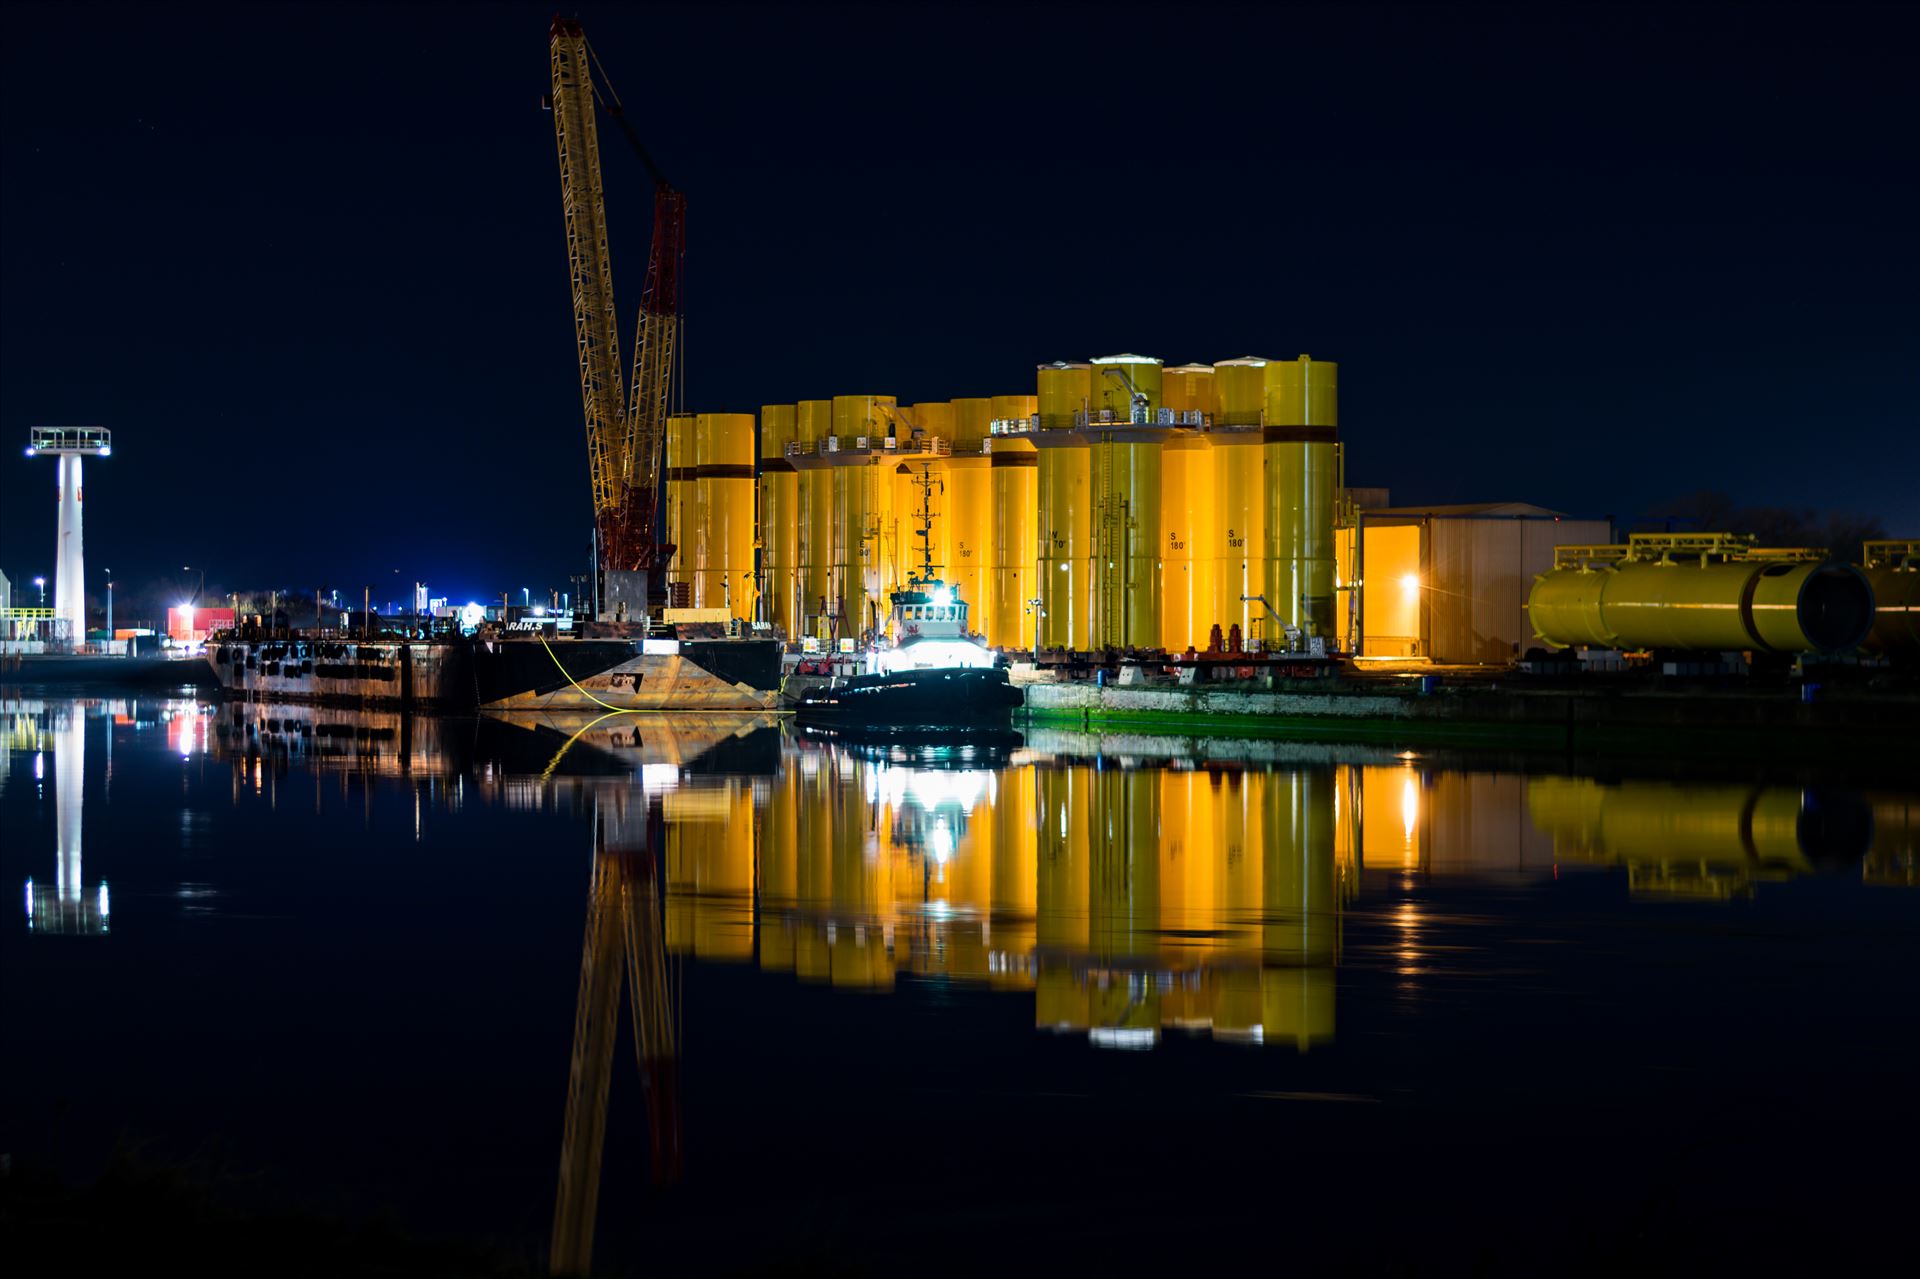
[932, 671]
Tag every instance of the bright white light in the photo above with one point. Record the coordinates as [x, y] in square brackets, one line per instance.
[471, 615]
[943, 596]
[1410, 584]
[1131, 1038]
[106, 450]
[927, 654]
[1409, 808]
[103, 899]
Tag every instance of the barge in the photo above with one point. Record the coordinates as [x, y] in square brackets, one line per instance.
[501, 670]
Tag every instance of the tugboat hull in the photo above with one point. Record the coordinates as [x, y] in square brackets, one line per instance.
[943, 697]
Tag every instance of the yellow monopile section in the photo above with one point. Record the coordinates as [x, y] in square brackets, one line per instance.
[1240, 391]
[934, 421]
[1120, 384]
[1014, 408]
[679, 485]
[1188, 388]
[1064, 565]
[969, 526]
[862, 510]
[1065, 392]
[1302, 417]
[1186, 507]
[971, 417]
[1780, 606]
[1237, 532]
[1126, 491]
[723, 454]
[1013, 550]
[779, 518]
[814, 423]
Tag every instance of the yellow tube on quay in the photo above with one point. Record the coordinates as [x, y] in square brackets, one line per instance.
[1302, 420]
[1186, 505]
[1736, 604]
[1065, 391]
[813, 424]
[779, 518]
[1064, 563]
[723, 508]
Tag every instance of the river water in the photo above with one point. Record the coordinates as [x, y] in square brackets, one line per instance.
[1042, 999]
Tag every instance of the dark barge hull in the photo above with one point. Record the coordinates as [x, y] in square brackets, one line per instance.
[460, 673]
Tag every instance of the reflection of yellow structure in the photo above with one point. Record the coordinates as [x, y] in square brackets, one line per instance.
[1698, 840]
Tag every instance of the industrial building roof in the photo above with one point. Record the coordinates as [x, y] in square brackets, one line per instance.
[1471, 510]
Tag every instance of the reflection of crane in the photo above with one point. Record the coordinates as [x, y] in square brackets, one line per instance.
[624, 437]
[624, 937]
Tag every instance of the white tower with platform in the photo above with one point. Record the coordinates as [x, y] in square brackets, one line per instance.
[70, 444]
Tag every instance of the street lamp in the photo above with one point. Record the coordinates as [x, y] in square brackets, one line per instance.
[41, 582]
[188, 568]
[109, 573]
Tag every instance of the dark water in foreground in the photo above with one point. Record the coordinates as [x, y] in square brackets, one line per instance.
[1066, 1002]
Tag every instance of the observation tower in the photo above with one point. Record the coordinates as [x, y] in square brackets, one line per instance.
[70, 444]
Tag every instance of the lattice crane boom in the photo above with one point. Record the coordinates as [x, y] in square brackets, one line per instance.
[625, 437]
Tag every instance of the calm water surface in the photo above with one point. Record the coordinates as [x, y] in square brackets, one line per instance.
[708, 994]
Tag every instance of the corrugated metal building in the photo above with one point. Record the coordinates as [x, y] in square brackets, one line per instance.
[1450, 583]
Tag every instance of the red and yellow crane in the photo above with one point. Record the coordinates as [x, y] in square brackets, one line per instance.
[625, 434]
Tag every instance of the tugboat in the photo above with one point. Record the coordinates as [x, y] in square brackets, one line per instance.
[932, 672]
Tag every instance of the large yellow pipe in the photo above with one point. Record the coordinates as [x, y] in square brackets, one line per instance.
[723, 454]
[862, 508]
[1065, 392]
[1779, 606]
[1065, 560]
[1186, 508]
[1125, 485]
[779, 517]
[813, 424]
[1118, 384]
[1302, 419]
[1188, 388]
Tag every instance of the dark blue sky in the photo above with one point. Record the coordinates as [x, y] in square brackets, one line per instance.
[307, 262]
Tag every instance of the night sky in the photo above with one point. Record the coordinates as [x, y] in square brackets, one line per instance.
[308, 264]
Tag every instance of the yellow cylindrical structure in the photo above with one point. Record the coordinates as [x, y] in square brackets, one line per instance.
[1065, 392]
[1302, 419]
[1014, 467]
[1014, 408]
[971, 418]
[1236, 533]
[1125, 521]
[1064, 565]
[1188, 388]
[679, 469]
[1779, 606]
[969, 523]
[723, 455]
[1240, 391]
[1186, 507]
[1121, 384]
[779, 518]
[1300, 919]
[813, 424]
[915, 503]
[862, 506]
